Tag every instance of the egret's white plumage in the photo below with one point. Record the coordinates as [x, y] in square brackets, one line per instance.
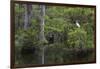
[77, 23]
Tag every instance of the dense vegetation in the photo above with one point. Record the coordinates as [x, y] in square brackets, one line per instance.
[47, 34]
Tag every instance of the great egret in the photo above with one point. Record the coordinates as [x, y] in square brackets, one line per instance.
[77, 23]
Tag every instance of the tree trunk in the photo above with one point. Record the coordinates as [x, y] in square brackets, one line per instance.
[30, 13]
[18, 18]
[27, 15]
[42, 21]
[41, 30]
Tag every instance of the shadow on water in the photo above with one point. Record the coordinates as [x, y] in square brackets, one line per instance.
[54, 55]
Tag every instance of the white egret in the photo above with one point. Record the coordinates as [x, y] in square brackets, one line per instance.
[77, 23]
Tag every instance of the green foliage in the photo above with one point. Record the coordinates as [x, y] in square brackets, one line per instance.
[59, 21]
[23, 37]
[18, 8]
[77, 37]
